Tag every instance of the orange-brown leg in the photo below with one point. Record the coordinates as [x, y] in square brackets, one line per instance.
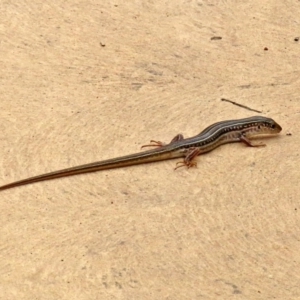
[177, 138]
[155, 144]
[248, 142]
[189, 160]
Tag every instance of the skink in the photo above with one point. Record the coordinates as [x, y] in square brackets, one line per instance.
[210, 138]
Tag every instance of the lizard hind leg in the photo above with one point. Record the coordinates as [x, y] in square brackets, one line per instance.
[189, 160]
[177, 138]
[154, 144]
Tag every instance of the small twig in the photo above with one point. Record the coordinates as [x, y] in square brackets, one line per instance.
[240, 105]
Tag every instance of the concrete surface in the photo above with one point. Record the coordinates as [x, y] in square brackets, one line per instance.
[86, 80]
